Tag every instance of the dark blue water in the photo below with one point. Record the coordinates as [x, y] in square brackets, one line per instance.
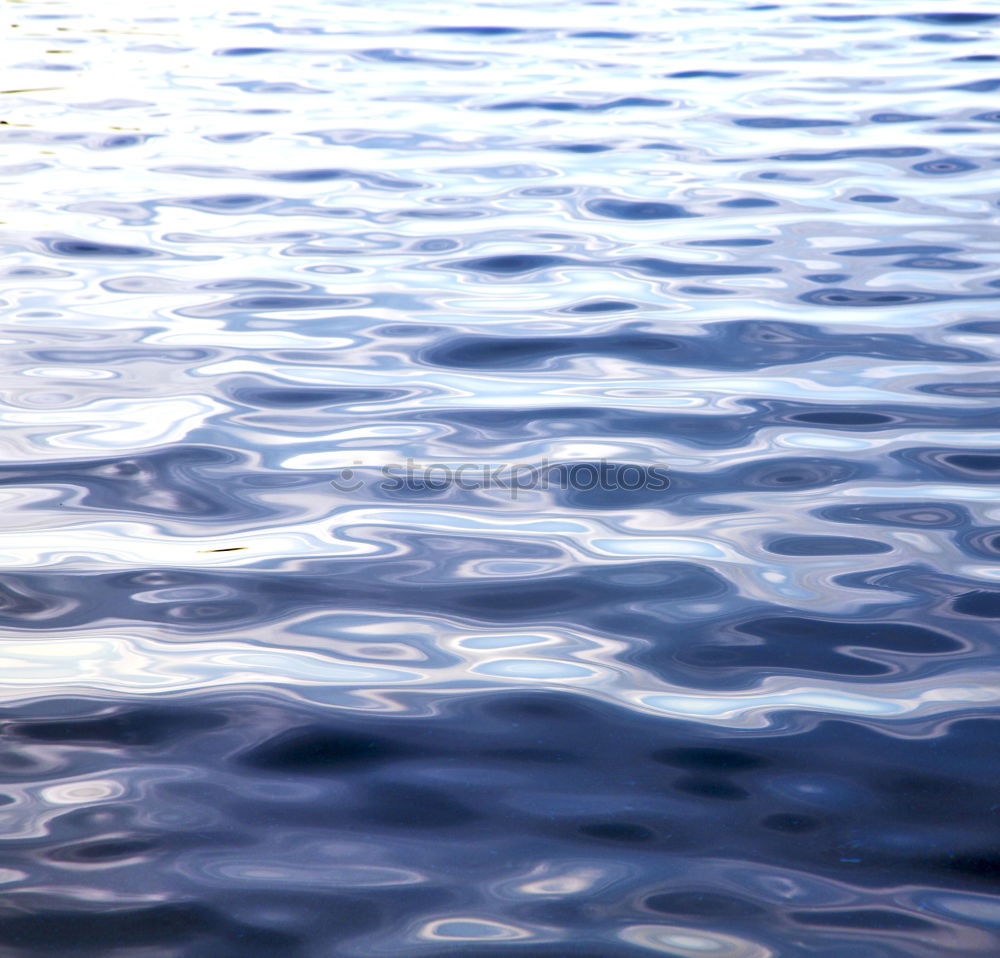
[500, 479]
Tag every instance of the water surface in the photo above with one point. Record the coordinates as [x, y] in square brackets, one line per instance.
[277, 678]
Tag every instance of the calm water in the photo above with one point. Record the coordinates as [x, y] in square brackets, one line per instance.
[279, 679]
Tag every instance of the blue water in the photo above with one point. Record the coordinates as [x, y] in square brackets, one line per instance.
[500, 479]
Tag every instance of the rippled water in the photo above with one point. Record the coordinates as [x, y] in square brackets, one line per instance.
[279, 679]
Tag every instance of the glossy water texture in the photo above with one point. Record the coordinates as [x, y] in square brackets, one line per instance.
[258, 700]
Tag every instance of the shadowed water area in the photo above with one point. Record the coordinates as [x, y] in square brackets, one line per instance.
[500, 480]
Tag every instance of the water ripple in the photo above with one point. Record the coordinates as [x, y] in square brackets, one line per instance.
[458, 461]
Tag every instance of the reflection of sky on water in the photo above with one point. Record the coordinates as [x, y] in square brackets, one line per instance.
[259, 699]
